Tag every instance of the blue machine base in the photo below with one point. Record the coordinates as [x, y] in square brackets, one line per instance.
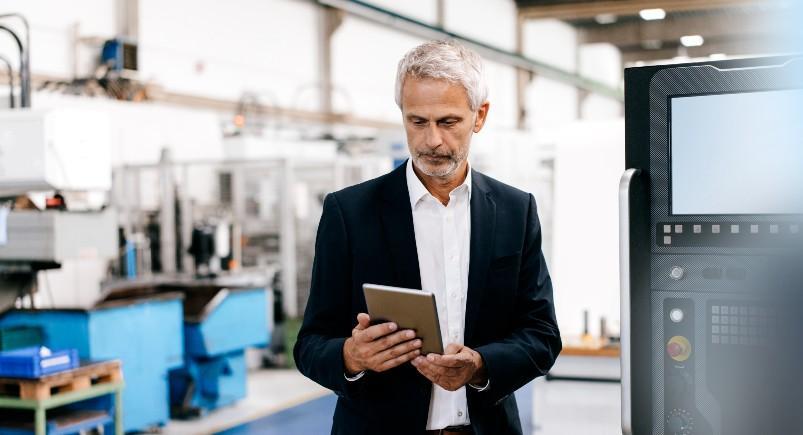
[205, 384]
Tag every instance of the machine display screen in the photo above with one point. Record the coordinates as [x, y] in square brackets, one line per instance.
[739, 153]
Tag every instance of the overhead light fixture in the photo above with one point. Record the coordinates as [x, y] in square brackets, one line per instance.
[605, 18]
[652, 14]
[692, 40]
[718, 56]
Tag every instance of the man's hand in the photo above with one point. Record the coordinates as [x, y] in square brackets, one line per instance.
[378, 347]
[458, 366]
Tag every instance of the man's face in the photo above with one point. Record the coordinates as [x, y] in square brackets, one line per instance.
[439, 125]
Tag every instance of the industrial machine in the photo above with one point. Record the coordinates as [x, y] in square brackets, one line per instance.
[143, 331]
[220, 322]
[710, 236]
[47, 156]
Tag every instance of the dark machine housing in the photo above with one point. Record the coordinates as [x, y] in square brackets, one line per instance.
[710, 232]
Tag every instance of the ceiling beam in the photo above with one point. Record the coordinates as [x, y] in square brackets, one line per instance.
[709, 26]
[590, 9]
[412, 26]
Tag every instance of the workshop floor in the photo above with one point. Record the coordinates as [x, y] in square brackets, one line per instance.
[269, 392]
[283, 402]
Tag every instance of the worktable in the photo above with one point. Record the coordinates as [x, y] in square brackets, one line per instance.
[90, 380]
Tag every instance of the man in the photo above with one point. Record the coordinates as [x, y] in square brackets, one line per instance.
[432, 223]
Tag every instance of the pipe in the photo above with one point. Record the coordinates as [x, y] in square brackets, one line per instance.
[10, 80]
[25, 58]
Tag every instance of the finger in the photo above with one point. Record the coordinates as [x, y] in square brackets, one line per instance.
[447, 378]
[426, 366]
[377, 331]
[363, 321]
[399, 360]
[426, 369]
[398, 350]
[391, 340]
[453, 348]
[453, 361]
[443, 377]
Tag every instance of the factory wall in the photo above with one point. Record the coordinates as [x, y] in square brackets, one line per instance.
[270, 48]
[53, 29]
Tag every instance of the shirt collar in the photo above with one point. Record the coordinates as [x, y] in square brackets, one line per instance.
[417, 190]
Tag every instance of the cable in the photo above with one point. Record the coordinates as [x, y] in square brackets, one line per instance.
[22, 52]
[10, 80]
[25, 59]
[49, 289]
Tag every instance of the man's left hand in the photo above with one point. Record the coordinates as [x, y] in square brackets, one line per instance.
[458, 366]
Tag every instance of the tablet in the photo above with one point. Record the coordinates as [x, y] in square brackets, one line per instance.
[410, 309]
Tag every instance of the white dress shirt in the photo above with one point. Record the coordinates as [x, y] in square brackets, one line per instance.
[442, 238]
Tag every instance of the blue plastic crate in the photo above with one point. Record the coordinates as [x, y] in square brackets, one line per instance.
[35, 362]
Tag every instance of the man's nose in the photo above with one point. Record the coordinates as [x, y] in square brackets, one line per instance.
[434, 137]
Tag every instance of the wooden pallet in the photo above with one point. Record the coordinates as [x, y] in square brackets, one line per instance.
[81, 378]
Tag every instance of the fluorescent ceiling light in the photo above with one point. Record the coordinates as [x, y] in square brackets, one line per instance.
[605, 18]
[692, 40]
[718, 56]
[652, 14]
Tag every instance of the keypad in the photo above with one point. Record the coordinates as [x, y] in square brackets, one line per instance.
[738, 324]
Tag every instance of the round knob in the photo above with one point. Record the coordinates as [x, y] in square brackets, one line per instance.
[676, 273]
[676, 315]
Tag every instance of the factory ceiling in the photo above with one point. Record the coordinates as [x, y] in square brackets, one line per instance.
[649, 30]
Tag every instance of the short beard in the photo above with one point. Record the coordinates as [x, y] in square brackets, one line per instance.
[447, 172]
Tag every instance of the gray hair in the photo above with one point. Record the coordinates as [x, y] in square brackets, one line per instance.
[445, 60]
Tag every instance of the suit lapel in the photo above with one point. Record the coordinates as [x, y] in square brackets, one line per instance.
[397, 226]
[483, 226]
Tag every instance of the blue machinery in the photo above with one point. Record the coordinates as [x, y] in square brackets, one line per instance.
[219, 324]
[710, 231]
[180, 345]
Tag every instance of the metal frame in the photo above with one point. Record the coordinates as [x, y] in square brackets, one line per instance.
[624, 297]
[40, 407]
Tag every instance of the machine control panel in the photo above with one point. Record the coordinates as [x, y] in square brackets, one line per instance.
[680, 409]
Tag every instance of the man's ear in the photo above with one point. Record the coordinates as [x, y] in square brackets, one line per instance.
[482, 115]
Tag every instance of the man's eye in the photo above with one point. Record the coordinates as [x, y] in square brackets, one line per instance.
[448, 123]
[419, 122]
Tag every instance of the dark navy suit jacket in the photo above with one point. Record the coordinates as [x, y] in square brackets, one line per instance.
[366, 235]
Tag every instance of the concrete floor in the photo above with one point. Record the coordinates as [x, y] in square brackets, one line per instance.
[269, 392]
[284, 402]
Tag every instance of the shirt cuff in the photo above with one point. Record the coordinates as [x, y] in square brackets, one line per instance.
[478, 387]
[355, 377]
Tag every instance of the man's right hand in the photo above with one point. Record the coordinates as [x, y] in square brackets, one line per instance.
[379, 347]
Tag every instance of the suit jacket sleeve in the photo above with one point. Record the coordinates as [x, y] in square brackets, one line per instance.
[534, 342]
[319, 348]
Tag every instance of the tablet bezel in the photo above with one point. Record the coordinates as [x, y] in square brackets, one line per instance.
[409, 309]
